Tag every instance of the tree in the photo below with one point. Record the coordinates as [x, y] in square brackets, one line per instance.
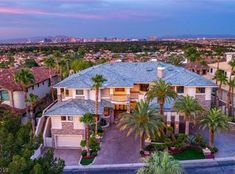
[192, 54]
[231, 84]
[219, 52]
[57, 57]
[161, 163]
[98, 81]
[221, 78]
[88, 120]
[215, 120]
[80, 64]
[162, 91]
[142, 121]
[176, 60]
[29, 63]
[50, 64]
[25, 78]
[189, 106]
[31, 101]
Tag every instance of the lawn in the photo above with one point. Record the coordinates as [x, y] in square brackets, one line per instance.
[189, 154]
[86, 161]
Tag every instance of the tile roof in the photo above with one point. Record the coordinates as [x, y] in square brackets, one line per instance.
[76, 107]
[126, 74]
[7, 77]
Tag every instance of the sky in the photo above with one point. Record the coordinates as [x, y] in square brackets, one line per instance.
[116, 18]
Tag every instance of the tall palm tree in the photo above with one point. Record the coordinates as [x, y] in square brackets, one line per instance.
[189, 106]
[143, 121]
[161, 163]
[88, 120]
[231, 86]
[31, 101]
[98, 81]
[24, 78]
[231, 100]
[215, 120]
[57, 57]
[50, 63]
[221, 78]
[219, 52]
[162, 91]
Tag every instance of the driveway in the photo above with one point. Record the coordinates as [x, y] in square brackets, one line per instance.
[117, 148]
[224, 141]
[70, 156]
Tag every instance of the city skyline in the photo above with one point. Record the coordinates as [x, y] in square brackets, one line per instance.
[116, 18]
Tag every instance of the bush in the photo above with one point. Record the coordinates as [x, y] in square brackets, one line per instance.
[84, 153]
[155, 147]
[93, 153]
[83, 143]
[200, 141]
[94, 144]
[168, 142]
[213, 149]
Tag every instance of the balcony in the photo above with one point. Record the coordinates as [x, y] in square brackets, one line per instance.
[120, 98]
[134, 95]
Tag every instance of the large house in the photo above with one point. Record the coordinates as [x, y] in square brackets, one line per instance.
[227, 69]
[126, 84]
[12, 94]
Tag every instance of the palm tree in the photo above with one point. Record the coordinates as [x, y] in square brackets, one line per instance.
[88, 120]
[215, 120]
[220, 77]
[219, 52]
[162, 91]
[161, 163]
[98, 81]
[231, 86]
[57, 57]
[143, 121]
[189, 106]
[50, 63]
[25, 78]
[231, 100]
[31, 101]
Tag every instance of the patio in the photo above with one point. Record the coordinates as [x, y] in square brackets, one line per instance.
[117, 148]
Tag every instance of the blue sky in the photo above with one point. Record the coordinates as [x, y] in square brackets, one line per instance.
[115, 18]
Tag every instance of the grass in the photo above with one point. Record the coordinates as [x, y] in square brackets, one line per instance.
[189, 154]
[86, 161]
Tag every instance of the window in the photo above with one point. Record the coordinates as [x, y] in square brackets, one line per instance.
[61, 90]
[4, 96]
[144, 87]
[200, 90]
[38, 84]
[211, 70]
[119, 89]
[204, 72]
[32, 87]
[79, 92]
[180, 89]
[70, 118]
[63, 118]
[67, 92]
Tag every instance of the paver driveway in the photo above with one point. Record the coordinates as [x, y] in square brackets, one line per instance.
[224, 141]
[70, 156]
[117, 148]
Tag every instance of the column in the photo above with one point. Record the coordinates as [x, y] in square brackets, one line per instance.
[177, 121]
[128, 92]
[168, 119]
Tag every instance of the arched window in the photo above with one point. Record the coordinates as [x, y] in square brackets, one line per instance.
[4, 95]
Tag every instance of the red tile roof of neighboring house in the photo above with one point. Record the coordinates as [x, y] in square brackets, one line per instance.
[7, 77]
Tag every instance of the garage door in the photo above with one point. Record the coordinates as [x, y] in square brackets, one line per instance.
[68, 141]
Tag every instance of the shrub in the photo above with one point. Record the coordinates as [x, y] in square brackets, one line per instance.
[93, 153]
[84, 153]
[181, 138]
[168, 142]
[200, 141]
[83, 143]
[213, 149]
[155, 147]
[94, 144]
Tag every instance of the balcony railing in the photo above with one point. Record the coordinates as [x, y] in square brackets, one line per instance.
[119, 98]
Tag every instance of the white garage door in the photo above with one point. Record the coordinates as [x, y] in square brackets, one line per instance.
[68, 141]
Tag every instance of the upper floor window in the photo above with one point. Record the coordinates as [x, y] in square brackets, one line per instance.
[4, 96]
[66, 118]
[144, 87]
[119, 89]
[211, 70]
[67, 92]
[79, 92]
[200, 90]
[63, 118]
[180, 89]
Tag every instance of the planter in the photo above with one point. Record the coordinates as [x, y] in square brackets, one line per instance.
[105, 126]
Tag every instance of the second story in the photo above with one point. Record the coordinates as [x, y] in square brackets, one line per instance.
[12, 94]
[126, 82]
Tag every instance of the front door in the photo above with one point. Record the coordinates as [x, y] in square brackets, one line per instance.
[118, 109]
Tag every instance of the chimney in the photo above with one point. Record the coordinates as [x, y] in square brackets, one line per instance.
[160, 72]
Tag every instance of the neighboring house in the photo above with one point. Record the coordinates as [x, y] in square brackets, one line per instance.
[126, 84]
[224, 66]
[11, 93]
